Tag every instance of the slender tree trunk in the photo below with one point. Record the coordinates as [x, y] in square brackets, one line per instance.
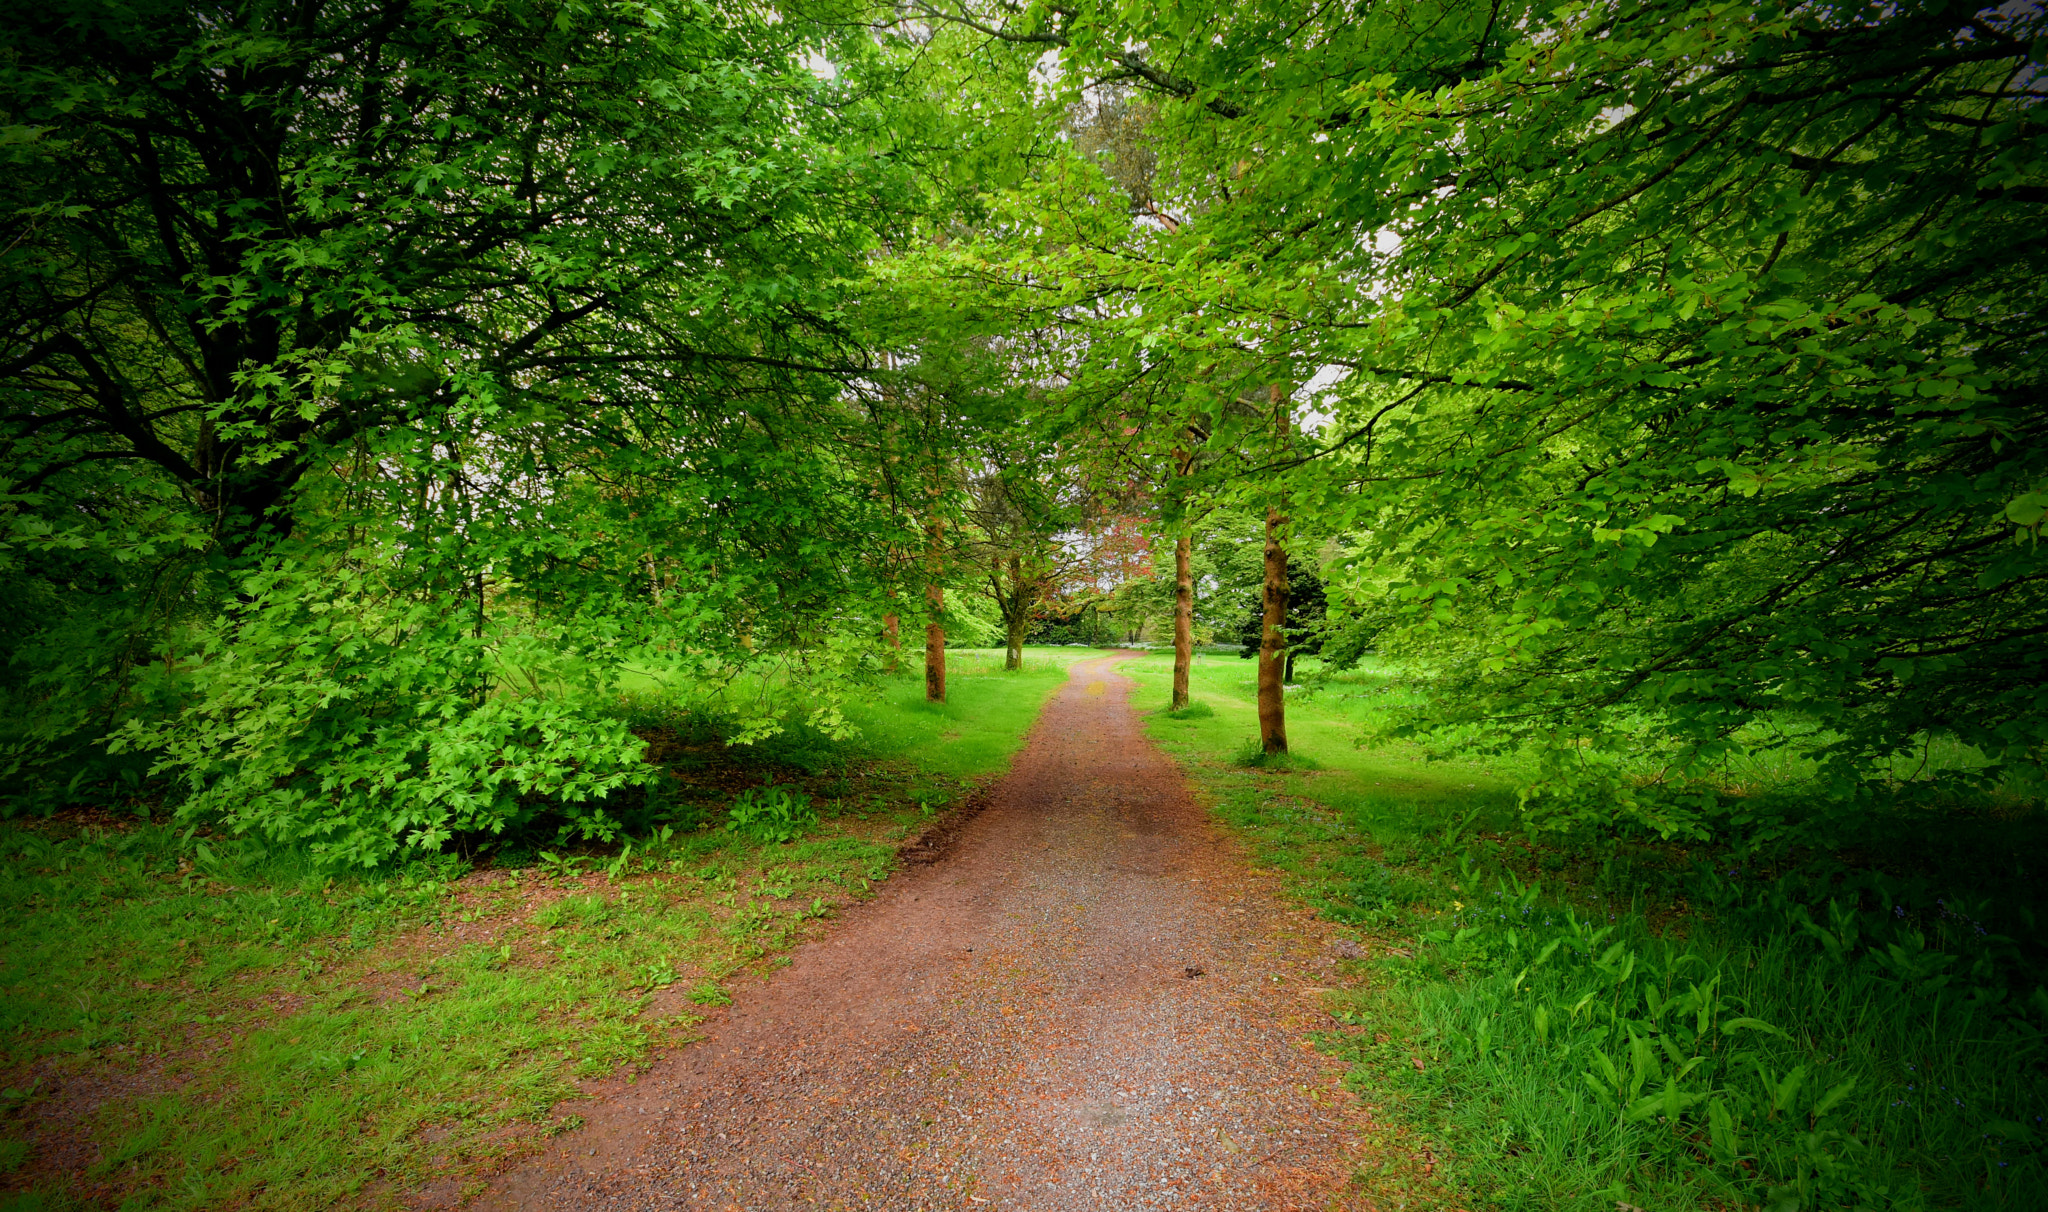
[934, 632]
[1273, 641]
[1273, 635]
[1017, 616]
[935, 648]
[483, 668]
[892, 635]
[1183, 620]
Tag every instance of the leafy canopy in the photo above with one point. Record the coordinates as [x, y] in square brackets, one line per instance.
[1681, 361]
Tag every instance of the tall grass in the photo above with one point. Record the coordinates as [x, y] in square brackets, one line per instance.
[1874, 1057]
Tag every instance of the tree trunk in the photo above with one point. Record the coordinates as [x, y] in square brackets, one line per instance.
[1183, 620]
[1273, 641]
[1016, 617]
[892, 635]
[935, 647]
[1273, 635]
[483, 668]
[934, 632]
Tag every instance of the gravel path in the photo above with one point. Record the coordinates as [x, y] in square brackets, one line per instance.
[1089, 1003]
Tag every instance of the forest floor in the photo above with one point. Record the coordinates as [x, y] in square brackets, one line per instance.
[1089, 1000]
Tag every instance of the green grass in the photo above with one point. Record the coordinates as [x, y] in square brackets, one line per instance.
[292, 1040]
[987, 711]
[283, 1038]
[1322, 727]
[1648, 1026]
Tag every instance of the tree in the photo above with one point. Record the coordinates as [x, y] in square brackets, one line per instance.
[1301, 630]
[479, 350]
[238, 238]
[1274, 659]
[1687, 358]
[1018, 512]
[1183, 615]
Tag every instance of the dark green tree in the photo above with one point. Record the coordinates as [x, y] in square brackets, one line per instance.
[1306, 619]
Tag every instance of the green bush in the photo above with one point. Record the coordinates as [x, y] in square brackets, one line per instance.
[369, 730]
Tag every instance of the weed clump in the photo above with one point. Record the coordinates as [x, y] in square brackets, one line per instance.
[772, 815]
[1253, 756]
[710, 993]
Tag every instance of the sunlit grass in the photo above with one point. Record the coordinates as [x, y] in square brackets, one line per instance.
[1323, 725]
[987, 712]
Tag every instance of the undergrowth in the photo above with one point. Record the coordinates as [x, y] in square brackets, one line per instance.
[1802, 1044]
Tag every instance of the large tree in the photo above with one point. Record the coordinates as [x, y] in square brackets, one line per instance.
[239, 235]
[1686, 358]
[477, 346]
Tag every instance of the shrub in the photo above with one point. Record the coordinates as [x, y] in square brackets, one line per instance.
[371, 731]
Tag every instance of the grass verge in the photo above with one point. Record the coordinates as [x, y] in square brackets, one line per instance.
[195, 1022]
[1619, 1024]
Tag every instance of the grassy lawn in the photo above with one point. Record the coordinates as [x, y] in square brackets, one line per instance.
[197, 1022]
[1613, 1022]
[983, 720]
[1322, 726]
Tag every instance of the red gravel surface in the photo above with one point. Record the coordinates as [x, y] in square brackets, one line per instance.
[1090, 1002]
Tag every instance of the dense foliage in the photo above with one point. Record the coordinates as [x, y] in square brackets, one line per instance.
[1679, 364]
[382, 381]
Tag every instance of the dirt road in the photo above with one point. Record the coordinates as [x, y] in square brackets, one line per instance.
[1089, 1003]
